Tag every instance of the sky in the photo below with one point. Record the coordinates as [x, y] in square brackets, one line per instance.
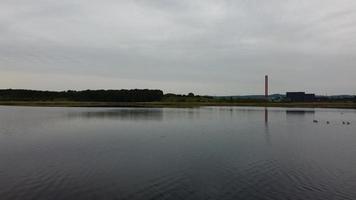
[209, 47]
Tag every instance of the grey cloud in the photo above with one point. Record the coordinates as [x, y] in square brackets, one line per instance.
[228, 45]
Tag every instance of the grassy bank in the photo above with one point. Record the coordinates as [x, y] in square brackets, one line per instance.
[161, 104]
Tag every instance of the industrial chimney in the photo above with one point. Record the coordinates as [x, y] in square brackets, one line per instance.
[266, 86]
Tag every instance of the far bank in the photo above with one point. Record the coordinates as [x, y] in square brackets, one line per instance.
[164, 104]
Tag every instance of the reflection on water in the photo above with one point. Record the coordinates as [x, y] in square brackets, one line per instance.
[198, 153]
[266, 116]
[299, 112]
[120, 114]
[267, 134]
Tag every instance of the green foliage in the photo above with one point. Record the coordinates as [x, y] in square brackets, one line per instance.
[186, 98]
[190, 95]
[135, 95]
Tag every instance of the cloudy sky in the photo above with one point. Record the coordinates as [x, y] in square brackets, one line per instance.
[215, 47]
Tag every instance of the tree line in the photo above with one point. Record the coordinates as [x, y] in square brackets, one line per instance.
[134, 95]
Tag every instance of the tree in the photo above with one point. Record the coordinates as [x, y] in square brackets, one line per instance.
[191, 94]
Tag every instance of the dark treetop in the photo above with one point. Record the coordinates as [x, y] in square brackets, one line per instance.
[135, 95]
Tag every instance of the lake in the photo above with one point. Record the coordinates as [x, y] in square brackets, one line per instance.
[170, 153]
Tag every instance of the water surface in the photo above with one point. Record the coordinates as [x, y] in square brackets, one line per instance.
[201, 153]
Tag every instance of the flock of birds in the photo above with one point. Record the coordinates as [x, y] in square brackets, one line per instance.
[328, 122]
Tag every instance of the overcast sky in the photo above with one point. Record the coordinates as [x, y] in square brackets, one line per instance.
[215, 47]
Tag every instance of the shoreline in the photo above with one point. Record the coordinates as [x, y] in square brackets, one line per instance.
[163, 104]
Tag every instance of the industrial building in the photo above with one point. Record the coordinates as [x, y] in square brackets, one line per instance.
[300, 97]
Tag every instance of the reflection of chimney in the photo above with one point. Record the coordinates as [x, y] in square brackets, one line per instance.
[266, 116]
[266, 87]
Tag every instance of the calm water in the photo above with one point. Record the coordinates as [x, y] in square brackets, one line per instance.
[205, 153]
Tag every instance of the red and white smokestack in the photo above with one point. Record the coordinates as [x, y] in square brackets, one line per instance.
[266, 87]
